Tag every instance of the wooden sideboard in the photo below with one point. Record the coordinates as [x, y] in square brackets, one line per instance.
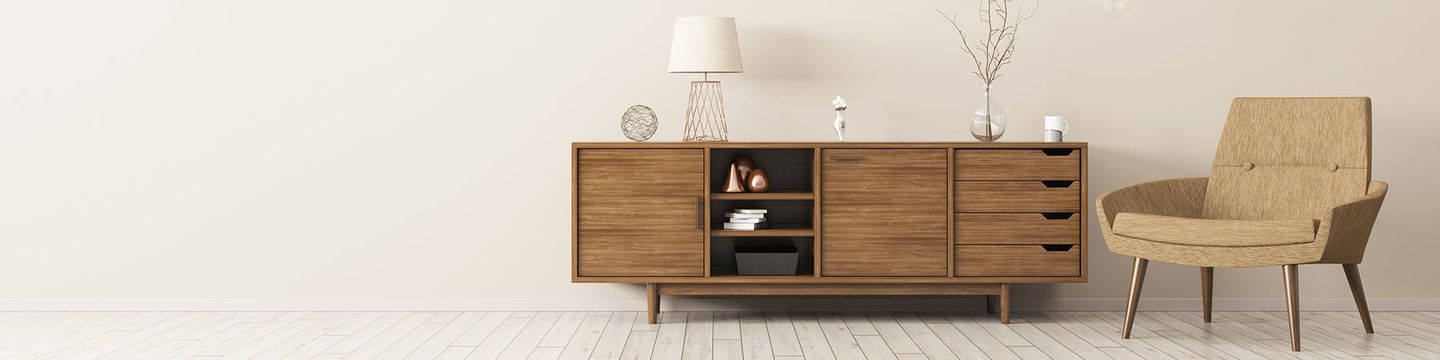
[868, 218]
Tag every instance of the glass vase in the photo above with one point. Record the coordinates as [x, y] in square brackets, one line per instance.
[987, 123]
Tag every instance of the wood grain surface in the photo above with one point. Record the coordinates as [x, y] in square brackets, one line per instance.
[884, 212]
[640, 212]
[1015, 196]
[1016, 228]
[1015, 260]
[1015, 164]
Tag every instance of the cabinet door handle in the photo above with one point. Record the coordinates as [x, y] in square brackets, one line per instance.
[700, 212]
[846, 158]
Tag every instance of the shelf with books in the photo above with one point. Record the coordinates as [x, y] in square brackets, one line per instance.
[775, 231]
[764, 196]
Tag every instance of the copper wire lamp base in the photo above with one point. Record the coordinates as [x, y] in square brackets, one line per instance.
[705, 115]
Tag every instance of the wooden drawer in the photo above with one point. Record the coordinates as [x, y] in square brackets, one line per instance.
[1017, 260]
[1017, 196]
[1017, 164]
[1017, 228]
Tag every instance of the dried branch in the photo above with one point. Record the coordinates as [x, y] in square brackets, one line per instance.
[998, 46]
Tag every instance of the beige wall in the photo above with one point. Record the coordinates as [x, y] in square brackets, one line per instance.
[419, 149]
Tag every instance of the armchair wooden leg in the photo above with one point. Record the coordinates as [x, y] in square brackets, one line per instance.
[1207, 290]
[1292, 303]
[1352, 273]
[1137, 279]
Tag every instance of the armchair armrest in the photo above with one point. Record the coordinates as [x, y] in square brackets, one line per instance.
[1181, 197]
[1345, 228]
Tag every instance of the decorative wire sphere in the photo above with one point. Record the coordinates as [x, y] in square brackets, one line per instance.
[639, 123]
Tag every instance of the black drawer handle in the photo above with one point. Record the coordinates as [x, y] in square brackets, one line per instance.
[1058, 216]
[1057, 152]
[1058, 248]
[1057, 183]
[846, 158]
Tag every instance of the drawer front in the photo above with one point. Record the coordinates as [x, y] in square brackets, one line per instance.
[1017, 260]
[1017, 228]
[1017, 164]
[1017, 196]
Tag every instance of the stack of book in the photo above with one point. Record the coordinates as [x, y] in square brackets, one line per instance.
[746, 219]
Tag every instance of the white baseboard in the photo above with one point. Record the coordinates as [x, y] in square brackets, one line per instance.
[681, 303]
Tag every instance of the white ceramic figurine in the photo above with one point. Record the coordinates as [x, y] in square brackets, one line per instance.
[839, 117]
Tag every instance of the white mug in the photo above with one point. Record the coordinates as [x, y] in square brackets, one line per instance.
[1055, 128]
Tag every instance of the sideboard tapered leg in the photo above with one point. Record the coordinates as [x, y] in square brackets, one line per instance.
[652, 301]
[1004, 303]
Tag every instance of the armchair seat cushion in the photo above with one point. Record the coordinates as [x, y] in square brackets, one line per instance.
[1215, 233]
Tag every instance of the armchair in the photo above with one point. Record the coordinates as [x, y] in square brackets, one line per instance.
[1290, 185]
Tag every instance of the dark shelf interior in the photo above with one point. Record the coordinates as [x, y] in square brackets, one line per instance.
[789, 170]
[722, 254]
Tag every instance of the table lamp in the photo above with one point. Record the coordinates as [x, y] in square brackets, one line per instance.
[705, 45]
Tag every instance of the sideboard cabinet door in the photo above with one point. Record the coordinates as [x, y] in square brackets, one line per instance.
[640, 212]
[884, 212]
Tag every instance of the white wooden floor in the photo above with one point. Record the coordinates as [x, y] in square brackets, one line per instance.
[704, 335]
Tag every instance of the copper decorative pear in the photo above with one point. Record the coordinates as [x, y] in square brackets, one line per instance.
[744, 163]
[734, 183]
[758, 181]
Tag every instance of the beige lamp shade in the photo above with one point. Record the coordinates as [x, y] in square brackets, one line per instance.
[705, 45]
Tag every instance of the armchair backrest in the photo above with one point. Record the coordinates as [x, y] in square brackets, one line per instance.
[1287, 158]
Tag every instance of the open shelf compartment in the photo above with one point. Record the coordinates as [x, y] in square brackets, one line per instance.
[723, 261]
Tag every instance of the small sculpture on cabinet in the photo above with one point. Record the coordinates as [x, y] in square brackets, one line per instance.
[734, 183]
[758, 181]
[742, 176]
[840, 107]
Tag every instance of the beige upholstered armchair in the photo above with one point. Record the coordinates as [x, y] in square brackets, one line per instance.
[1290, 185]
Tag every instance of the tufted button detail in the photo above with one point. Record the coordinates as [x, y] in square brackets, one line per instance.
[1334, 167]
[1248, 165]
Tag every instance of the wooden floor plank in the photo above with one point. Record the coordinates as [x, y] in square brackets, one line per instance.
[859, 324]
[477, 333]
[894, 335]
[495, 343]
[755, 340]
[812, 338]
[411, 341]
[1142, 334]
[564, 328]
[929, 343]
[385, 338]
[982, 339]
[874, 347]
[315, 346]
[699, 336]
[1136, 346]
[191, 349]
[363, 334]
[726, 349]
[104, 351]
[842, 343]
[46, 343]
[640, 345]
[670, 338]
[1044, 326]
[727, 325]
[783, 339]
[529, 338]
[613, 336]
[447, 335]
[587, 335]
[305, 337]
